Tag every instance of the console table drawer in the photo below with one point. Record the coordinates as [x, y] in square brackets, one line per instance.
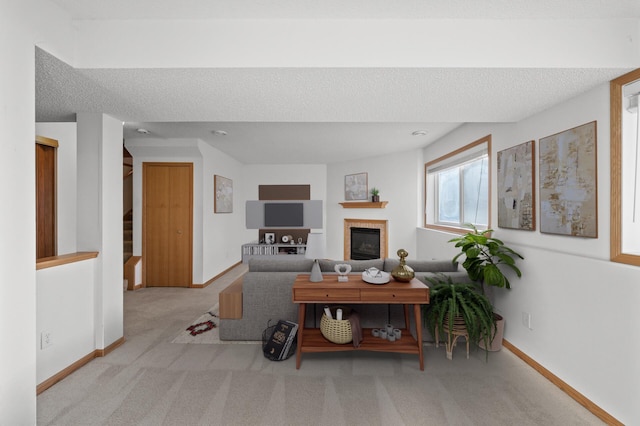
[314, 294]
[413, 295]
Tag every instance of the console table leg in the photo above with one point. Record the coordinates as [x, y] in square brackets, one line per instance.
[302, 311]
[418, 316]
[407, 324]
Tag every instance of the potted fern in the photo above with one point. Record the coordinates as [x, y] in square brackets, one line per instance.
[457, 309]
[485, 259]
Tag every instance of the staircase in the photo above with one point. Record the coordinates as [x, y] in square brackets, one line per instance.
[127, 235]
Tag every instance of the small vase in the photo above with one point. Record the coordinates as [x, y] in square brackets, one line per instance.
[375, 198]
[402, 272]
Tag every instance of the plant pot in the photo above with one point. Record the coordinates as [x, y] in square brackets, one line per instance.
[375, 198]
[496, 344]
[459, 330]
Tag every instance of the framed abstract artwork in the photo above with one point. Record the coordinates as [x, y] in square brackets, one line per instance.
[568, 182]
[356, 187]
[516, 187]
[223, 196]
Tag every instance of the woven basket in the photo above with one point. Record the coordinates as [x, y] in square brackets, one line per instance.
[337, 331]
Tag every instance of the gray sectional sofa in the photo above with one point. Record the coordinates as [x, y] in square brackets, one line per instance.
[266, 293]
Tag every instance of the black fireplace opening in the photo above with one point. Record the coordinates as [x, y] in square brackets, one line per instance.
[365, 243]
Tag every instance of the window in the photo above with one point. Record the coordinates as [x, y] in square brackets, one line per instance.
[625, 165]
[457, 187]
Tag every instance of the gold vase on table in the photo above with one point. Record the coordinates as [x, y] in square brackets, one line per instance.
[402, 272]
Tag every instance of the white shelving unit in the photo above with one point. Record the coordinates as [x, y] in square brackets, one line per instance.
[264, 250]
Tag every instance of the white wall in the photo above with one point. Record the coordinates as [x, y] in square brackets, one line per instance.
[216, 237]
[178, 151]
[81, 304]
[66, 135]
[65, 309]
[24, 24]
[255, 175]
[398, 178]
[223, 233]
[583, 307]
[268, 43]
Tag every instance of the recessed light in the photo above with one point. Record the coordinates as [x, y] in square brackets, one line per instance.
[219, 132]
[142, 131]
[419, 133]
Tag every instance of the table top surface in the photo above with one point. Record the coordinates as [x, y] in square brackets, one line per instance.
[355, 282]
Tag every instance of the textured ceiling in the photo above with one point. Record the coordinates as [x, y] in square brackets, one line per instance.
[314, 115]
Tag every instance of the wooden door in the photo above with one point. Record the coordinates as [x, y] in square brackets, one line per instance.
[167, 224]
[46, 241]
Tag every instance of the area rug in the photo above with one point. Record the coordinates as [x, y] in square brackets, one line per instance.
[204, 330]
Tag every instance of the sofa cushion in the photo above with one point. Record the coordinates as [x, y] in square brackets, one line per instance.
[356, 265]
[280, 264]
[423, 265]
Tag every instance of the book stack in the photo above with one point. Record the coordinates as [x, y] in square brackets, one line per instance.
[278, 345]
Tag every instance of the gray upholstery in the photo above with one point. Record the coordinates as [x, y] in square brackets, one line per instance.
[266, 294]
[423, 265]
[356, 265]
[280, 264]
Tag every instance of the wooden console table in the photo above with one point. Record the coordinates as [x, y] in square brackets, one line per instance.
[357, 291]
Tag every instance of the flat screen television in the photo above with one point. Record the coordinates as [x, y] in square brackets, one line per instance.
[284, 214]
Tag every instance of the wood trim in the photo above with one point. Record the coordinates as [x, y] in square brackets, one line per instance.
[216, 277]
[77, 365]
[577, 396]
[230, 300]
[616, 253]
[64, 373]
[106, 351]
[46, 177]
[50, 262]
[484, 139]
[130, 272]
[41, 140]
[364, 205]
[450, 229]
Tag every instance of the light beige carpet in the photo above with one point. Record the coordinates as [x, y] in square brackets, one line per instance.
[151, 381]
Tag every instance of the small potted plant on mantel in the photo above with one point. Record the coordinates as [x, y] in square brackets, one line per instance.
[484, 258]
[375, 195]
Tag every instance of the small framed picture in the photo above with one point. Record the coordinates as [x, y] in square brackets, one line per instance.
[269, 237]
[223, 197]
[356, 187]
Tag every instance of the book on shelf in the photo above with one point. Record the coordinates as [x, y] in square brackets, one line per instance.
[281, 339]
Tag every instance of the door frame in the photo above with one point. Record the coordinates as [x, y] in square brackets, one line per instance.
[145, 165]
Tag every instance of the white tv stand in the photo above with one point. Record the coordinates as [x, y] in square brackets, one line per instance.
[271, 250]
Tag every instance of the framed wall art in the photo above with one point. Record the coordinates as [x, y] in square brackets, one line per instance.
[269, 237]
[516, 187]
[356, 187]
[568, 182]
[223, 199]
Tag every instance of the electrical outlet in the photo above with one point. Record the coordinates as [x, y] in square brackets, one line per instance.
[46, 339]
